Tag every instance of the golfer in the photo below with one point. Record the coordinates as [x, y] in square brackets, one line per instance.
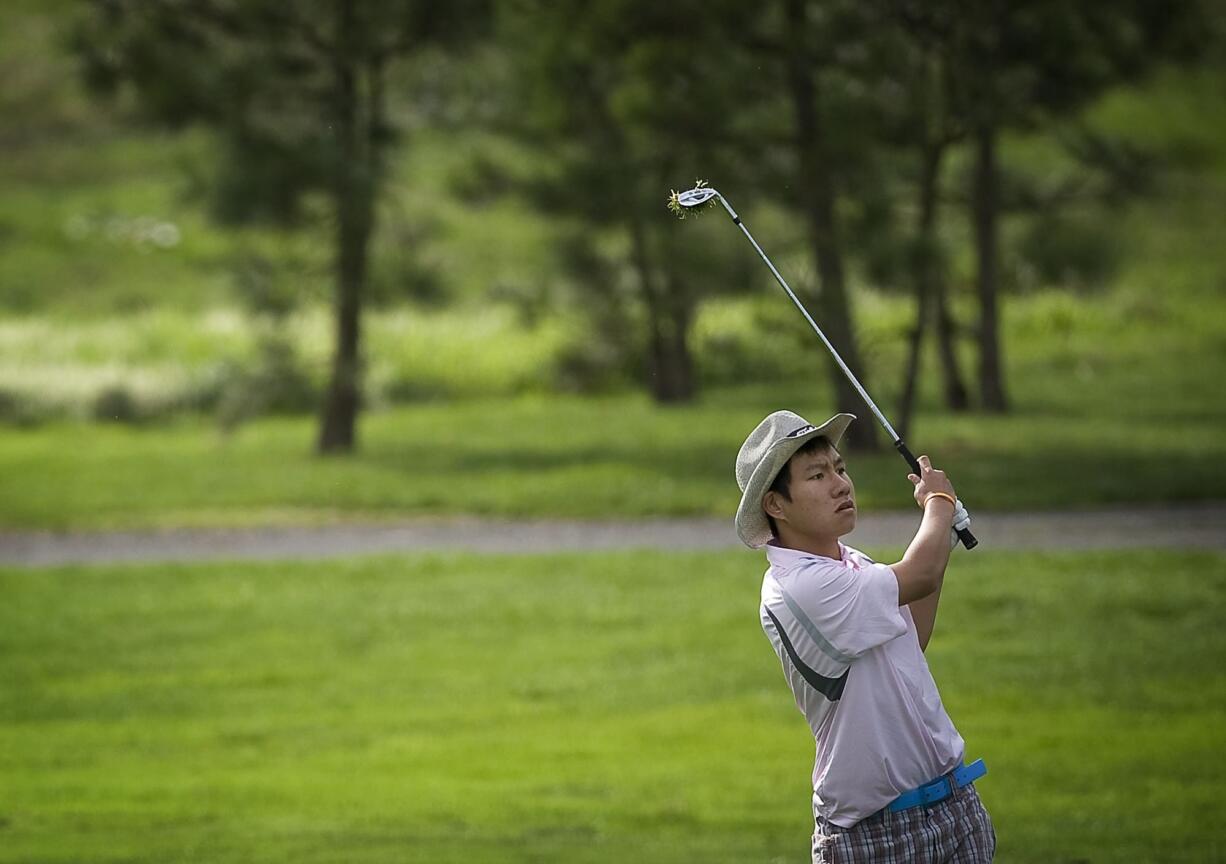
[889, 782]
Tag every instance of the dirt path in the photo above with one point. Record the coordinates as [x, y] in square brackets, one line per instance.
[1181, 526]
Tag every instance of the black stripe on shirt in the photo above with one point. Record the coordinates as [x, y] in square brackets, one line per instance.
[831, 688]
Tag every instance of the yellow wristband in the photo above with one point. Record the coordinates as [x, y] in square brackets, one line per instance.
[944, 495]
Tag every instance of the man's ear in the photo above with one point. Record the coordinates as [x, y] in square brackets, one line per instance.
[773, 506]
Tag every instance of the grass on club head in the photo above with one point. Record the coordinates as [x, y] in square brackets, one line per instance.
[599, 708]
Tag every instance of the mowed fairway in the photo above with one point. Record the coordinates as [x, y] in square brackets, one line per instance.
[575, 708]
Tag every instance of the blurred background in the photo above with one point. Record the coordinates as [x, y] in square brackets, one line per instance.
[267, 264]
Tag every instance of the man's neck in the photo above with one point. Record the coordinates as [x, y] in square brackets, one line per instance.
[827, 547]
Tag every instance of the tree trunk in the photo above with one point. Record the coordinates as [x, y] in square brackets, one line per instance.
[817, 201]
[930, 300]
[669, 366]
[986, 204]
[679, 360]
[956, 398]
[353, 195]
[925, 268]
[915, 341]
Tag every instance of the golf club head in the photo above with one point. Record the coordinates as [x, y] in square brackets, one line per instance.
[696, 197]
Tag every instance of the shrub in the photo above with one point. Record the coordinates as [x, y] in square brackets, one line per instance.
[18, 409]
[591, 365]
[274, 384]
[116, 404]
[1067, 252]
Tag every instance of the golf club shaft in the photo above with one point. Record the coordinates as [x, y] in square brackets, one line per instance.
[967, 538]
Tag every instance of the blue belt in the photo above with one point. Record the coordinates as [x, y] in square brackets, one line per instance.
[939, 789]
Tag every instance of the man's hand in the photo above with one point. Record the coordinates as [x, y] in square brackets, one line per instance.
[962, 520]
[922, 568]
[930, 480]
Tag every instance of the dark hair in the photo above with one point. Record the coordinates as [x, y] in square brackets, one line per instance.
[783, 480]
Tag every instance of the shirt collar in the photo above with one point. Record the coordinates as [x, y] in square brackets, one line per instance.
[786, 558]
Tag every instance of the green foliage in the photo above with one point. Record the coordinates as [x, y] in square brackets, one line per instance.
[173, 362]
[298, 96]
[17, 408]
[349, 709]
[274, 384]
[605, 84]
[1068, 252]
[283, 86]
[1098, 385]
[106, 304]
[116, 404]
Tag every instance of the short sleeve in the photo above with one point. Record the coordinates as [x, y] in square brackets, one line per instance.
[851, 611]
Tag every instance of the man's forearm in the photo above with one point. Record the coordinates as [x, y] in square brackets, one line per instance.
[924, 613]
[922, 566]
[930, 551]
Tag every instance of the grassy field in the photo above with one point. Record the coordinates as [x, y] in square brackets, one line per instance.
[610, 708]
[1116, 399]
[118, 292]
[1077, 443]
[587, 709]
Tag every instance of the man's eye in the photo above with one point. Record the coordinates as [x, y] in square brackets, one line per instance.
[842, 470]
[818, 476]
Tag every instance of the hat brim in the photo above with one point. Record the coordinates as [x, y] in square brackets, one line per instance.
[751, 523]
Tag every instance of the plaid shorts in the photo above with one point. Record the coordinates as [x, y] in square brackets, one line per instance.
[956, 831]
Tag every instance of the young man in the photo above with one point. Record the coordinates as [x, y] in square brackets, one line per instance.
[889, 782]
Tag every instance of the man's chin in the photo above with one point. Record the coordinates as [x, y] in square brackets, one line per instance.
[850, 522]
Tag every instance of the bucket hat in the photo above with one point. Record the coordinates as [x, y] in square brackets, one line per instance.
[767, 449]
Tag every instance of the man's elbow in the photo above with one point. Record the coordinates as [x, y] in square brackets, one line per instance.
[930, 582]
[916, 580]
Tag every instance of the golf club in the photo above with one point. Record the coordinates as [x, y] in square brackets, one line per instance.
[701, 195]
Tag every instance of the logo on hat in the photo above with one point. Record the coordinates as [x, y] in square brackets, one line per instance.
[803, 430]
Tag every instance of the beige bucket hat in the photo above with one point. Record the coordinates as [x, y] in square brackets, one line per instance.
[765, 451]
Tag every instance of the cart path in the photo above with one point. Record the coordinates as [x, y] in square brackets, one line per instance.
[1200, 526]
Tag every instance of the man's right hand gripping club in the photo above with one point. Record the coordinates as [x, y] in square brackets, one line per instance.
[922, 567]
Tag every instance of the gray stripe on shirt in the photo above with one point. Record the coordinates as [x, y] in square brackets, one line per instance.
[811, 629]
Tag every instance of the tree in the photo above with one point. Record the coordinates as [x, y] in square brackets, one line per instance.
[1019, 66]
[972, 71]
[895, 128]
[627, 97]
[809, 39]
[299, 95]
[926, 124]
[932, 135]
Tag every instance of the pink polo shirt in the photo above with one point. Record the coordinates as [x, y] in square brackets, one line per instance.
[852, 658]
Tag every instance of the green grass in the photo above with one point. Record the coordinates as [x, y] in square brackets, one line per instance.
[1140, 424]
[600, 708]
[620, 457]
[1116, 392]
[84, 178]
[1116, 400]
[169, 360]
